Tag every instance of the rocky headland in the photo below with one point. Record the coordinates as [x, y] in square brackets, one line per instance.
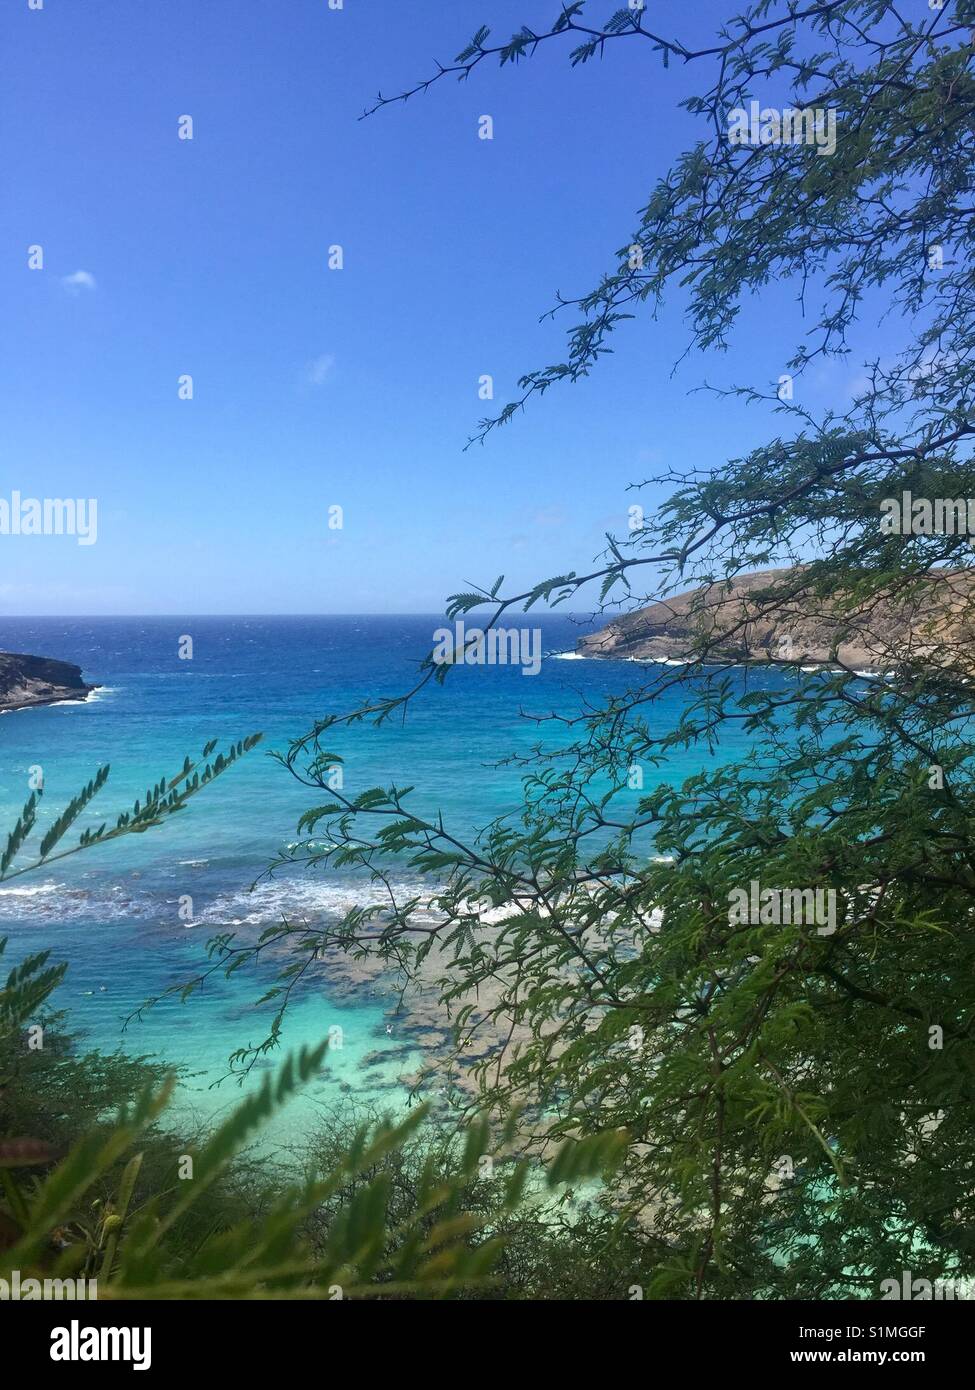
[38, 680]
[736, 622]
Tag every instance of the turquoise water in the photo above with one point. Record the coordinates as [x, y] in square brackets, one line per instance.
[112, 913]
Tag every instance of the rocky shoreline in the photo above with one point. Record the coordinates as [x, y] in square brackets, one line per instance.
[26, 681]
[736, 623]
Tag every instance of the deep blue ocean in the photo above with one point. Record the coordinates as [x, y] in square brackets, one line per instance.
[112, 912]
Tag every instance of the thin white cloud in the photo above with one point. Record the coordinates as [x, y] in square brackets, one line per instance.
[80, 280]
[319, 369]
[549, 516]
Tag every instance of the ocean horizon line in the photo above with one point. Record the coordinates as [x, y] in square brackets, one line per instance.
[166, 617]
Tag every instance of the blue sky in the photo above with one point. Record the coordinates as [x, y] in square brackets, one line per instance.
[312, 387]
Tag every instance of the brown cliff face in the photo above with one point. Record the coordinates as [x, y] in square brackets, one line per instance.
[38, 680]
[737, 626]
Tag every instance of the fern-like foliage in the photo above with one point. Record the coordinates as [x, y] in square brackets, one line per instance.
[28, 985]
[168, 796]
[437, 1249]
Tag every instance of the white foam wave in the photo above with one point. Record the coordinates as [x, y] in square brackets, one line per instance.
[35, 890]
[306, 897]
[297, 900]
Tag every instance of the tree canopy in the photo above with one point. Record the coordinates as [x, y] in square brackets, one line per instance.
[797, 1095]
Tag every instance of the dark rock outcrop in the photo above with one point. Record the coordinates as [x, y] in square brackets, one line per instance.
[38, 680]
[736, 622]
